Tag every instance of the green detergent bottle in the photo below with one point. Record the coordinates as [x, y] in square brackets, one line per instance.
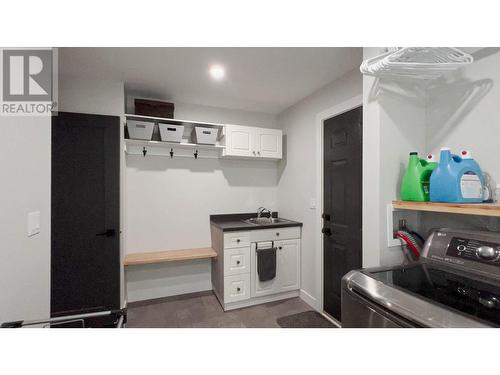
[415, 185]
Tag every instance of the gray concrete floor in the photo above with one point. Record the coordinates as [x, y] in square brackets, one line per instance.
[202, 310]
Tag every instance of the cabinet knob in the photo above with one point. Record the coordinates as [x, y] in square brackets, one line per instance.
[238, 262]
[277, 233]
[238, 240]
[279, 248]
[238, 289]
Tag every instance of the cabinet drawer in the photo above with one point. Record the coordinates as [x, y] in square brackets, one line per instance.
[237, 261]
[236, 239]
[236, 288]
[275, 234]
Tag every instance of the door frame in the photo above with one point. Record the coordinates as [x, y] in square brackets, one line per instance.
[336, 110]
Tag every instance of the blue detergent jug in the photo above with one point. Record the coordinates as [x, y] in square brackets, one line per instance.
[456, 179]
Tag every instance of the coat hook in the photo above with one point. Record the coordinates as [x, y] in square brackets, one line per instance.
[144, 151]
[171, 153]
[196, 154]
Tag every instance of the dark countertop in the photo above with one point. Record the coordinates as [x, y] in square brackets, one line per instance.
[234, 222]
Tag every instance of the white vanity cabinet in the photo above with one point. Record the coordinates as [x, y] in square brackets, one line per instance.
[235, 279]
[253, 142]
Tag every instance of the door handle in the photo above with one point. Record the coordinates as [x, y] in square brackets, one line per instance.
[326, 231]
[107, 233]
[326, 217]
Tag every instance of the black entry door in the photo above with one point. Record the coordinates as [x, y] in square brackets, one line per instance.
[85, 252]
[342, 203]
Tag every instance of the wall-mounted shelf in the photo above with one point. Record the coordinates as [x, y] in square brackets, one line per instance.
[171, 149]
[169, 256]
[174, 121]
[482, 209]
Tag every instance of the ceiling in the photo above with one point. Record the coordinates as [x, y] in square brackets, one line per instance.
[257, 79]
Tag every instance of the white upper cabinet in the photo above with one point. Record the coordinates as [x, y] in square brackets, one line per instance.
[240, 141]
[269, 143]
[252, 142]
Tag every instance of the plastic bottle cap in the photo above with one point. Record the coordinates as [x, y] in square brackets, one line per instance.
[445, 149]
[414, 153]
[465, 154]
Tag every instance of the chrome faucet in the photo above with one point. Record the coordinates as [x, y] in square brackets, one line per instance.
[261, 210]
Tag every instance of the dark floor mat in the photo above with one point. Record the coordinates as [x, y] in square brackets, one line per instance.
[307, 319]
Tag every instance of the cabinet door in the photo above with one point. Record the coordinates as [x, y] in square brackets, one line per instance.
[288, 265]
[269, 143]
[262, 288]
[240, 141]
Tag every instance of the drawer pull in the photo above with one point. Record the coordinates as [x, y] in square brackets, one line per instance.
[280, 248]
[238, 289]
[238, 262]
[238, 240]
[277, 233]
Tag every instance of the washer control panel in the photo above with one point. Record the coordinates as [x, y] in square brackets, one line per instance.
[475, 250]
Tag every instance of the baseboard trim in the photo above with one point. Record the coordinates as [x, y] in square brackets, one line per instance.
[260, 300]
[177, 297]
[310, 300]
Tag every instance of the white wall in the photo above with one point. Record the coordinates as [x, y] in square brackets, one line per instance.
[462, 114]
[195, 112]
[104, 98]
[25, 187]
[297, 179]
[394, 117]
[91, 96]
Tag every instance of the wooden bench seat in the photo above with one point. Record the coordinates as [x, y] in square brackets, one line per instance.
[169, 256]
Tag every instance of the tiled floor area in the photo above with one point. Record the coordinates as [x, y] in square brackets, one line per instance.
[203, 310]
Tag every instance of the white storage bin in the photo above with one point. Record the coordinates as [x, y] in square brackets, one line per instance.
[140, 129]
[207, 136]
[171, 133]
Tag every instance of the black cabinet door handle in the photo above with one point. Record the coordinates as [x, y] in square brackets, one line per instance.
[326, 231]
[107, 233]
[326, 217]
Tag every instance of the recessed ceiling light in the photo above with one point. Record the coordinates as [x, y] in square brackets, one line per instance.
[217, 72]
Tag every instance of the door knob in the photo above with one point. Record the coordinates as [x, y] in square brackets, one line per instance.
[107, 233]
[326, 231]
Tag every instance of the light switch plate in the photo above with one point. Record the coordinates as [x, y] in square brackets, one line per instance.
[312, 204]
[33, 223]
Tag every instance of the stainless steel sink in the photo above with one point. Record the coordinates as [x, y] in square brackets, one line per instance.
[265, 221]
